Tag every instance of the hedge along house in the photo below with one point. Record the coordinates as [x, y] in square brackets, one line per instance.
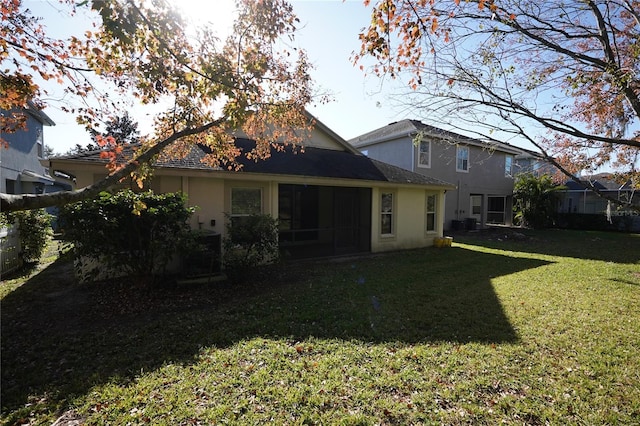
[329, 198]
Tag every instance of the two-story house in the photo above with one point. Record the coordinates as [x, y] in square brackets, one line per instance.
[20, 168]
[482, 173]
[21, 173]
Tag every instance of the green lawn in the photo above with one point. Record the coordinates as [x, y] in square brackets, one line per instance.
[500, 328]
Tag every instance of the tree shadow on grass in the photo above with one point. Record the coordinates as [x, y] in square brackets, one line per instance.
[60, 338]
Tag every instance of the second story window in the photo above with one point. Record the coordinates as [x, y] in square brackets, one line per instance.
[424, 154]
[462, 159]
[39, 143]
[508, 165]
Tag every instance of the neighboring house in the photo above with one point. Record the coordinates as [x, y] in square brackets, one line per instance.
[329, 199]
[482, 173]
[584, 209]
[20, 168]
[576, 199]
[533, 162]
[21, 173]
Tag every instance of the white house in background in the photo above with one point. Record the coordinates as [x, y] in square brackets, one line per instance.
[482, 173]
[329, 199]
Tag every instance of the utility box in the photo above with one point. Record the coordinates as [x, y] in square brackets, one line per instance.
[470, 224]
[207, 260]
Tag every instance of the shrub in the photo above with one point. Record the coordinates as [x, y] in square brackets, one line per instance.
[535, 200]
[249, 242]
[35, 229]
[136, 234]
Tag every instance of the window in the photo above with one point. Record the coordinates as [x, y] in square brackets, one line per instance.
[462, 159]
[496, 210]
[476, 205]
[386, 213]
[365, 152]
[424, 154]
[508, 166]
[245, 202]
[431, 212]
[10, 186]
[39, 143]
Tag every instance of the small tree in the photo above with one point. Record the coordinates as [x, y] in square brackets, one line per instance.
[535, 200]
[135, 233]
[561, 75]
[34, 227]
[123, 129]
[146, 54]
[249, 242]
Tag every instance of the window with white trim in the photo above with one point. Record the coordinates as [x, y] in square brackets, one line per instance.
[430, 212]
[424, 154]
[462, 158]
[245, 202]
[508, 165]
[386, 213]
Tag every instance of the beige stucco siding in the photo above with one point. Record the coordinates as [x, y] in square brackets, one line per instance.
[210, 192]
[409, 221]
[320, 139]
[207, 195]
[166, 184]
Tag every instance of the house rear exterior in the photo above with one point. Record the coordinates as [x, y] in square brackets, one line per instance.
[329, 199]
[482, 173]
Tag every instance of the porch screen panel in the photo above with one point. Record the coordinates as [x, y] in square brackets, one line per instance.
[298, 208]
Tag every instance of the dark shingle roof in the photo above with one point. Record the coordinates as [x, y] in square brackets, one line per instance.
[602, 182]
[313, 162]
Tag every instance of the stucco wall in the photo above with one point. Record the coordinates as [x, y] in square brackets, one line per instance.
[397, 152]
[409, 220]
[22, 154]
[208, 196]
[320, 139]
[485, 175]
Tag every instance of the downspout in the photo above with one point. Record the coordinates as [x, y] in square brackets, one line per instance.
[458, 201]
[413, 153]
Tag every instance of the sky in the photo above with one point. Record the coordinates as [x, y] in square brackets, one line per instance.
[328, 32]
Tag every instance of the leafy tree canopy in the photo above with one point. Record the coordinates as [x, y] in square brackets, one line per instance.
[563, 75]
[144, 50]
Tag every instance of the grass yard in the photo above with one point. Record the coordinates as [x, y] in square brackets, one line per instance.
[531, 328]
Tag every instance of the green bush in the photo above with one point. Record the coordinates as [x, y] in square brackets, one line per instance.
[249, 242]
[136, 234]
[535, 200]
[35, 229]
